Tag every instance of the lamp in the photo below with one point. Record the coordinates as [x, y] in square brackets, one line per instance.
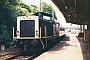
[65, 6]
[68, 15]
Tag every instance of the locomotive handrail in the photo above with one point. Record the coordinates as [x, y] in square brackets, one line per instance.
[41, 39]
[44, 14]
[46, 35]
[13, 32]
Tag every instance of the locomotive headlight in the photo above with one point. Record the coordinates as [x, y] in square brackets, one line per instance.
[37, 33]
[17, 33]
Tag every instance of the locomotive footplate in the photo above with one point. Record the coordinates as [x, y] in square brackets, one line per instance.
[23, 38]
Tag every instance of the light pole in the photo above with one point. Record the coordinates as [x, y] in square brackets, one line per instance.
[41, 10]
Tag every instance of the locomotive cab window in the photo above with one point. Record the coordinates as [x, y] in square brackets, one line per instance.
[27, 28]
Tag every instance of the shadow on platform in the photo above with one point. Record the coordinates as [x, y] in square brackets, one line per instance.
[62, 44]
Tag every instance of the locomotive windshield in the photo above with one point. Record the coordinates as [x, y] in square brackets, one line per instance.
[27, 28]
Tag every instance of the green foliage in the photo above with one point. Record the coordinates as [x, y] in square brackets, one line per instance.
[34, 9]
[5, 37]
[8, 14]
[21, 11]
[5, 22]
[48, 9]
[15, 2]
[23, 5]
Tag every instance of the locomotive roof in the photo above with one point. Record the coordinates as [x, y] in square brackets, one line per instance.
[43, 13]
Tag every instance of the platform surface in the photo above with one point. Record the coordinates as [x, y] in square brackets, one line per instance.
[71, 48]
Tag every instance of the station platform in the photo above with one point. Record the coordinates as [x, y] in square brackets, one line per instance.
[71, 47]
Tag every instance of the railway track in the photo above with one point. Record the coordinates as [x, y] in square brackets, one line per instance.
[24, 55]
[21, 55]
[9, 55]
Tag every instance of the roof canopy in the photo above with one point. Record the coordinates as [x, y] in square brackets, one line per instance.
[74, 11]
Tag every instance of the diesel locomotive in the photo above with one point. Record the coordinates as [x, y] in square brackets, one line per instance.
[36, 31]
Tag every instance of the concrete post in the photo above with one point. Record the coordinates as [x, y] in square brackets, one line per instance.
[89, 36]
[83, 27]
[2, 47]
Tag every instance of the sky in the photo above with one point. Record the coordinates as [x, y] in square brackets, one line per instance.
[59, 15]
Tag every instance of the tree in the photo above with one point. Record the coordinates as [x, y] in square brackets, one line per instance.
[6, 21]
[15, 2]
[48, 9]
[21, 11]
[23, 5]
[34, 9]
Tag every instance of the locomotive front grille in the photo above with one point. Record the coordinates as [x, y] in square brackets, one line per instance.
[27, 28]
